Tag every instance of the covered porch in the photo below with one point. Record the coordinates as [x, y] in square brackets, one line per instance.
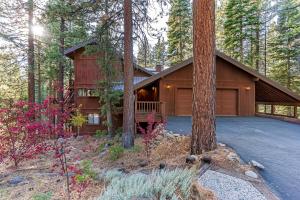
[147, 102]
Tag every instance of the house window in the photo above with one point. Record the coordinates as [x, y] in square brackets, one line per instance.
[93, 119]
[83, 92]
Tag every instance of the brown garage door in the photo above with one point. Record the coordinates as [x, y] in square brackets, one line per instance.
[183, 102]
[227, 102]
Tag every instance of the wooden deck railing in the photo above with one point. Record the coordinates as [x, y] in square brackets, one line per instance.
[143, 108]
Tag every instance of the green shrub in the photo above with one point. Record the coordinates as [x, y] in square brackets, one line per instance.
[42, 196]
[100, 133]
[160, 184]
[88, 173]
[101, 147]
[136, 149]
[115, 152]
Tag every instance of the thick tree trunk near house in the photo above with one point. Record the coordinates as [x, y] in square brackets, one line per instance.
[61, 67]
[128, 105]
[204, 76]
[31, 80]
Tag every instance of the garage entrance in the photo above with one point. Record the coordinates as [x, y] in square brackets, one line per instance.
[227, 102]
[183, 102]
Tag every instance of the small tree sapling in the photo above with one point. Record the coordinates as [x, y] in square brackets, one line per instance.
[78, 120]
[150, 133]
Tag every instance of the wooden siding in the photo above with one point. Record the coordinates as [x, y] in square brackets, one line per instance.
[87, 75]
[228, 77]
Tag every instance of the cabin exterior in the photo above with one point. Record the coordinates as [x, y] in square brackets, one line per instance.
[87, 76]
[240, 91]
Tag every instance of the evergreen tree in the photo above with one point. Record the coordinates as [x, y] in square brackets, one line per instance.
[285, 45]
[144, 56]
[159, 52]
[179, 31]
[242, 29]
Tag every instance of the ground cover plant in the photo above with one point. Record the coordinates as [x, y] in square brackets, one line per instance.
[159, 184]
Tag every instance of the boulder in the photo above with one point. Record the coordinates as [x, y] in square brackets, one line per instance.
[233, 157]
[162, 165]
[257, 165]
[16, 180]
[206, 159]
[191, 159]
[251, 174]
[222, 145]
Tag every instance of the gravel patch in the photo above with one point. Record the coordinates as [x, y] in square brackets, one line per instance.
[228, 187]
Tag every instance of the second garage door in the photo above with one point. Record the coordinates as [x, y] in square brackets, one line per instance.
[227, 102]
[183, 102]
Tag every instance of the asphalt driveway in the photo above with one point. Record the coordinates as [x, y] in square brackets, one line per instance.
[274, 143]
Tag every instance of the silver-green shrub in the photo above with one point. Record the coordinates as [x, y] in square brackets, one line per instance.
[158, 185]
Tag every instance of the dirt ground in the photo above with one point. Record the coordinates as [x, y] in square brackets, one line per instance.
[168, 151]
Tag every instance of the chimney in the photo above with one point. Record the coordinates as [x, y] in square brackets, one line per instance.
[158, 68]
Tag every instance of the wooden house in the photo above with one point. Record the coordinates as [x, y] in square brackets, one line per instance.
[239, 90]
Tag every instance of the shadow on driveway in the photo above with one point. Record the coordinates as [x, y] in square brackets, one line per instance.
[274, 143]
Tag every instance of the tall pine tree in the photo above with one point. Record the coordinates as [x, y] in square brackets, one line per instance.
[179, 31]
[285, 45]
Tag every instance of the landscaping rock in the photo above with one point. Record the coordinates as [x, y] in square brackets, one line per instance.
[162, 165]
[251, 174]
[191, 159]
[206, 159]
[233, 157]
[257, 165]
[222, 145]
[16, 180]
[143, 163]
[123, 170]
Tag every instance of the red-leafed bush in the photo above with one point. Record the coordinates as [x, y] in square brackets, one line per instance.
[22, 135]
[150, 133]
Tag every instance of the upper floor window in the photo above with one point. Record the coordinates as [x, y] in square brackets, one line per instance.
[93, 119]
[83, 92]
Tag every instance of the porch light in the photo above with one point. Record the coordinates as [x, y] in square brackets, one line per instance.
[248, 88]
[168, 86]
[153, 88]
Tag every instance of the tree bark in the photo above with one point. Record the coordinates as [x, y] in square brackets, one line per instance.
[128, 106]
[39, 72]
[31, 81]
[61, 67]
[204, 77]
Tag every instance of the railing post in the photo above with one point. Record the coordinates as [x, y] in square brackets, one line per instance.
[163, 111]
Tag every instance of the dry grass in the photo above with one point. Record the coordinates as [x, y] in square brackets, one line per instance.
[171, 151]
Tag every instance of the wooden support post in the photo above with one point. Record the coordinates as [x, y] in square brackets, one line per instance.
[296, 112]
[272, 109]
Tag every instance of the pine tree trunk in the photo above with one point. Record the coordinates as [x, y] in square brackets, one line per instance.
[128, 106]
[31, 81]
[61, 67]
[204, 75]
[39, 72]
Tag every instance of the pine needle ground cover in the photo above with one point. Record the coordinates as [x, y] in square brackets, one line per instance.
[159, 184]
